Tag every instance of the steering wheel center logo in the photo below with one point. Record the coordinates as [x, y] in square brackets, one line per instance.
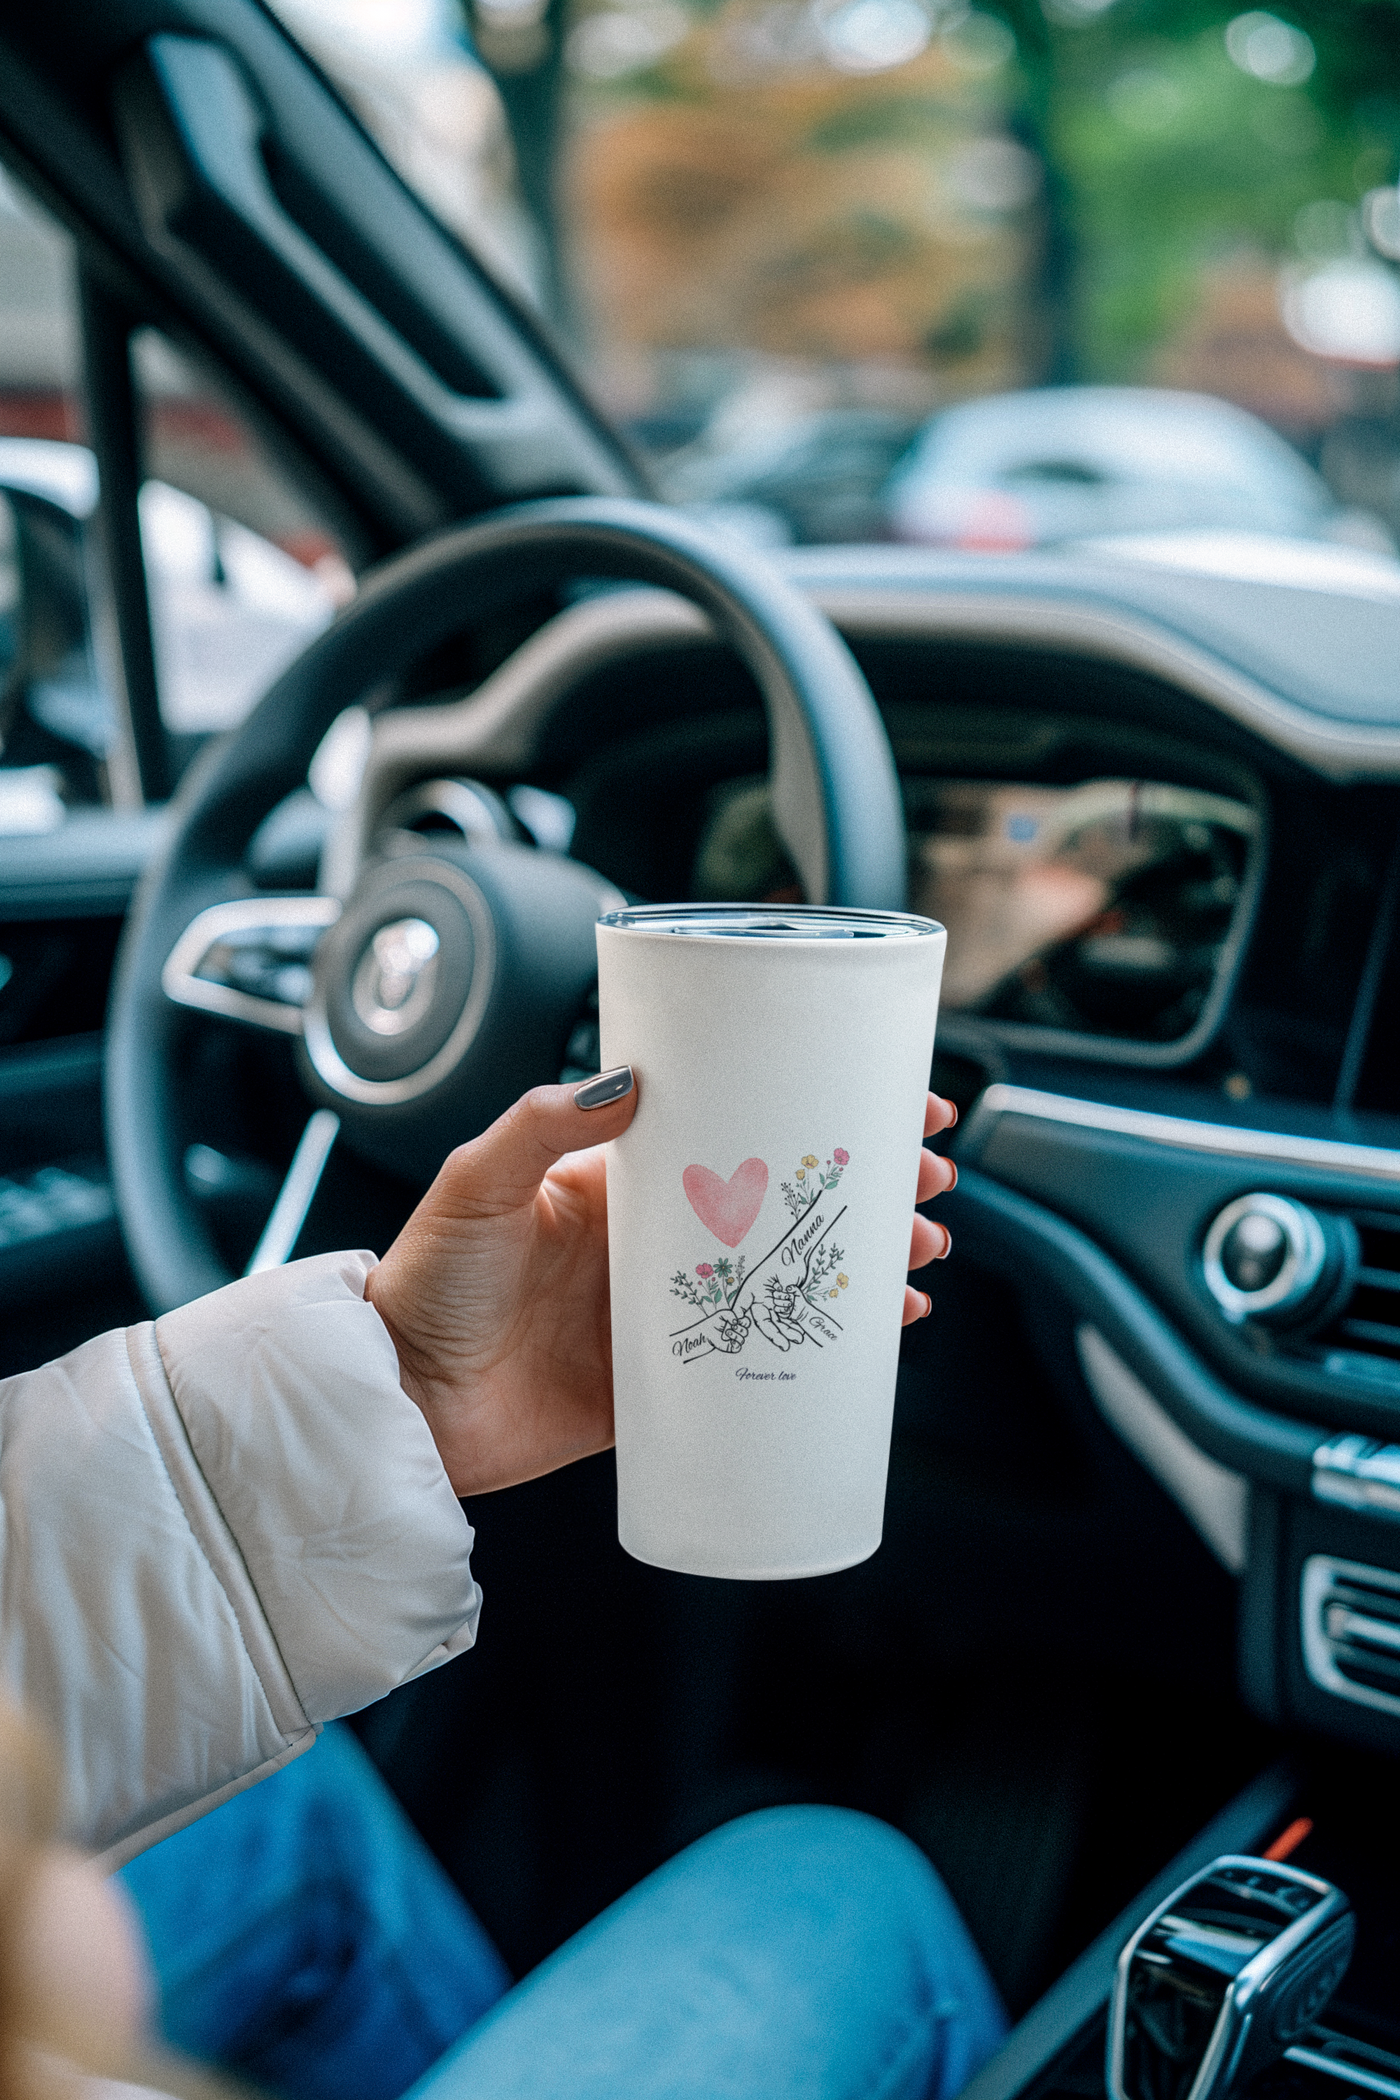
[790, 1297]
[396, 977]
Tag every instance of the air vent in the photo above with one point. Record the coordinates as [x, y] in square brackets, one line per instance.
[1351, 1631]
[1363, 1339]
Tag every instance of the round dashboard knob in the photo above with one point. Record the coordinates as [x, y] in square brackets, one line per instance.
[1253, 1251]
[1264, 1257]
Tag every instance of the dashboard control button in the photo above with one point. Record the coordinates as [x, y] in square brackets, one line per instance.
[1253, 1251]
[1267, 1258]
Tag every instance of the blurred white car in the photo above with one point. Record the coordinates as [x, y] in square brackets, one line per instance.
[1073, 463]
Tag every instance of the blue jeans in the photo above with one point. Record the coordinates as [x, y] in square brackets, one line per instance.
[306, 1939]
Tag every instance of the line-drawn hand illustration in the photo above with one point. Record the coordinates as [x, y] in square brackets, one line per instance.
[789, 1295]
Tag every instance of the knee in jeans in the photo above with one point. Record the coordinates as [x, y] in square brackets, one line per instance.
[824, 1847]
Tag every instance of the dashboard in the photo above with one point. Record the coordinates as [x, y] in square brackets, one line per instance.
[1159, 814]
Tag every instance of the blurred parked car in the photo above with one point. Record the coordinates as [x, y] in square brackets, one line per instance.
[229, 610]
[819, 474]
[1032, 469]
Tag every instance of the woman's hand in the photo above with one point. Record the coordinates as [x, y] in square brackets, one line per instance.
[930, 1242]
[495, 1293]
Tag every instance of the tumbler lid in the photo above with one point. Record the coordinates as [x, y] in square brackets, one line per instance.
[757, 922]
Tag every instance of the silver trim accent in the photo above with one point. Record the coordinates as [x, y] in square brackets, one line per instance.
[496, 728]
[462, 804]
[1320, 1574]
[1347, 2073]
[1359, 1472]
[294, 1198]
[181, 983]
[1302, 1264]
[1373, 1162]
[383, 1093]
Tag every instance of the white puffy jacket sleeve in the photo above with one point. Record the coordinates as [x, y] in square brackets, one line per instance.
[220, 1530]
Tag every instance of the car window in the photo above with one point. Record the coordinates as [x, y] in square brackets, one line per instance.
[241, 571]
[56, 724]
[793, 242]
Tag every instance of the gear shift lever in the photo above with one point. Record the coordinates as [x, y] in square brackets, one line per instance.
[1222, 1978]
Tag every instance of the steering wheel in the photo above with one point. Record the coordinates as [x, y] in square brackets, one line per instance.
[450, 978]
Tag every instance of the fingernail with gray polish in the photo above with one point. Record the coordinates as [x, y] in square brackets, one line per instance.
[608, 1086]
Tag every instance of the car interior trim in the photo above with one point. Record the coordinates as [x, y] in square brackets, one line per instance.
[1014, 1236]
[1341, 750]
[1344, 2070]
[1359, 1472]
[1334, 1620]
[1214, 1499]
[972, 1033]
[881, 610]
[180, 979]
[90, 865]
[1303, 1262]
[219, 114]
[143, 765]
[1259, 2006]
[297, 1193]
[542, 432]
[496, 727]
[1370, 1162]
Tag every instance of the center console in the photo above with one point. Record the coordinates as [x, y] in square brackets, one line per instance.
[1318, 1842]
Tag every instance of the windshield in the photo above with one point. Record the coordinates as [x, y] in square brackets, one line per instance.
[988, 277]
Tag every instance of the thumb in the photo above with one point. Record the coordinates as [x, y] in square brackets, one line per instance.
[504, 1167]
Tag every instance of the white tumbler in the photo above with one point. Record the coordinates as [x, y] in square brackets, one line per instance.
[759, 1210]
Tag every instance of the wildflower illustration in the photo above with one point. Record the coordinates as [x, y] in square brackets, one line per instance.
[714, 1284]
[813, 1180]
[787, 1297]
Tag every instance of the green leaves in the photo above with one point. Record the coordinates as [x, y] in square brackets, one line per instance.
[1177, 168]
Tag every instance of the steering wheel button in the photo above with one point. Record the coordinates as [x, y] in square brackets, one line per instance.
[396, 972]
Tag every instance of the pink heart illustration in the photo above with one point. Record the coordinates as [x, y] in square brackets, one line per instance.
[727, 1208]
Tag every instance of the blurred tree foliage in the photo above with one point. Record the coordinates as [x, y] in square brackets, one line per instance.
[1165, 157]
